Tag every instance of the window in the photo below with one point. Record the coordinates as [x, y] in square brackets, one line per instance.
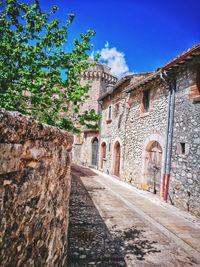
[109, 116]
[195, 88]
[182, 148]
[198, 78]
[145, 102]
[109, 112]
[109, 147]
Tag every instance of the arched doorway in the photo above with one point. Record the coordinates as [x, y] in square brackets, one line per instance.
[153, 166]
[95, 144]
[103, 153]
[116, 162]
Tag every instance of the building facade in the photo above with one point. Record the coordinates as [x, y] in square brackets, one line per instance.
[150, 131]
[86, 145]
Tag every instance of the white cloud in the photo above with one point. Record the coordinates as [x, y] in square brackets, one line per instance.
[107, 44]
[115, 60]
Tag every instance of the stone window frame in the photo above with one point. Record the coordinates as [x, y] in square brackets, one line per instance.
[144, 112]
[194, 92]
[109, 114]
[179, 149]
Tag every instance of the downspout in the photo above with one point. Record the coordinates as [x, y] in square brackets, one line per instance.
[166, 144]
[164, 78]
[171, 124]
[100, 121]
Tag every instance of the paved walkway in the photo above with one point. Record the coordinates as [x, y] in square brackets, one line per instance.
[147, 231]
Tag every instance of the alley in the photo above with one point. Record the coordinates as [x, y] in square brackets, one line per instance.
[114, 224]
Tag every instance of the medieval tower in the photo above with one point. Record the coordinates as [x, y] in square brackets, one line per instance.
[87, 143]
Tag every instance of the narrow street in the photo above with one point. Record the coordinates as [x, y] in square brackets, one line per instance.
[114, 224]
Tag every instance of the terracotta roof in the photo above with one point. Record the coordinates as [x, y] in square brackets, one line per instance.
[189, 54]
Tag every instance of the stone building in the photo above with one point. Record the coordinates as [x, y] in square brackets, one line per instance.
[86, 145]
[150, 130]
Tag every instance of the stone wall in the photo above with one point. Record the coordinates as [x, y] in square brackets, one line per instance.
[34, 192]
[133, 129]
[185, 178]
[136, 131]
[114, 129]
[142, 129]
[99, 78]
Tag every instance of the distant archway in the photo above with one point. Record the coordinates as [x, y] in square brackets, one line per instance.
[103, 154]
[116, 159]
[95, 146]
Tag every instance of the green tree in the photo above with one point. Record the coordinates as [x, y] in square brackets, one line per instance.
[38, 75]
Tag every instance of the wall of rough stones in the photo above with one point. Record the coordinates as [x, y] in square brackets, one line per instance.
[133, 129]
[99, 78]
[185, 178]
[113, 130]
[142, 128]
[34, 192]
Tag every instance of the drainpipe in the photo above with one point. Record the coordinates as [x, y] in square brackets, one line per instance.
[100, 121]
[164, 78]
[166, 144]
[171, 124]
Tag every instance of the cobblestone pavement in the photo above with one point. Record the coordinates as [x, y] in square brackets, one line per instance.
[106, 230]
[90, 242]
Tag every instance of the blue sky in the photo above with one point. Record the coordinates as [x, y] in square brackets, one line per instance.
[144, 34]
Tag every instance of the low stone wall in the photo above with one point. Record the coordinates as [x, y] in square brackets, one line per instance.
[34, 192]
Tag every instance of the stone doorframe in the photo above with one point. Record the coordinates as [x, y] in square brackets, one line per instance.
[113, 155]
[147, 145]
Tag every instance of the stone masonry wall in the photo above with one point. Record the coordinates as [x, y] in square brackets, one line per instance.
[133, 129]
[112, 130]
[143, 128]
[99, 78]
[185, 177]
[34, 192]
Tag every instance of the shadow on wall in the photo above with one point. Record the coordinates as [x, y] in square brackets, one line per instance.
[89, 240]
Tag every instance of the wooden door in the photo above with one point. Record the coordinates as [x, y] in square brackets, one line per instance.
[117, 159]
[94, 151]
[154, 167]
[103, 153]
